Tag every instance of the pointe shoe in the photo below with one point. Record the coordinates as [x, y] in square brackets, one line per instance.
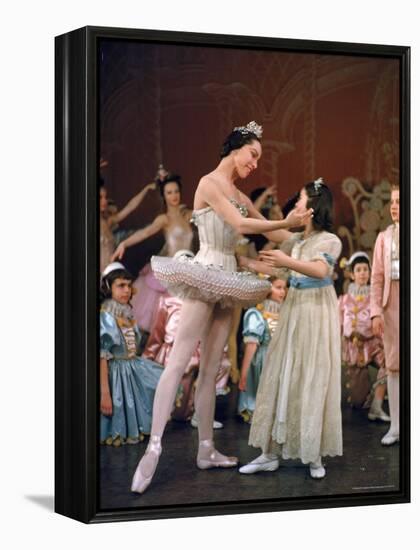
[378, 414]
[260, 464]
[390, 438]
[208, 457]
[216, 425]
[140, 481]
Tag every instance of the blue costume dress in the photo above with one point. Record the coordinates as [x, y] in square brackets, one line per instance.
[259, 325]
[132, 380]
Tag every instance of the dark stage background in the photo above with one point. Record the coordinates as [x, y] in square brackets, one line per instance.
[323, 115]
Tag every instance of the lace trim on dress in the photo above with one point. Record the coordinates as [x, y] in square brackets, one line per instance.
[357, 290]
[116, 309]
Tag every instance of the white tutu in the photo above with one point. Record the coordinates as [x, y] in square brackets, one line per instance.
[188, 278]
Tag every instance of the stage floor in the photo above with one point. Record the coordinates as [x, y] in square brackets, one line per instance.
[365, 467]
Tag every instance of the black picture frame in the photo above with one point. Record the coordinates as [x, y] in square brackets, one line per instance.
[76, 291]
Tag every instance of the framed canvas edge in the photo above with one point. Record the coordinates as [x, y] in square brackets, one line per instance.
[76, 300]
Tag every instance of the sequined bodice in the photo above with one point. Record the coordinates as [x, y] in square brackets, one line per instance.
[217, 238]
[178, 237]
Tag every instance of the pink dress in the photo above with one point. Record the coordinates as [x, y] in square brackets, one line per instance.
[149, 290]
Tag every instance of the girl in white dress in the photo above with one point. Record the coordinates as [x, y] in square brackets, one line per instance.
[298, 413]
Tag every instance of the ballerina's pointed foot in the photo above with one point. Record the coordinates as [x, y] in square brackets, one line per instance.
[208, 457]
[147, 466]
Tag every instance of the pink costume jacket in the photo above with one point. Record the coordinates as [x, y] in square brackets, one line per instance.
[381, 272]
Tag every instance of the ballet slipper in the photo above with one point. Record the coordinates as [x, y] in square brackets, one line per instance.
[263, 463]
[208, 457]
[316, 469]
[140, 480]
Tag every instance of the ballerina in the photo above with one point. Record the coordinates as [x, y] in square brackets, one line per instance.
[210, 286]
[175, 224]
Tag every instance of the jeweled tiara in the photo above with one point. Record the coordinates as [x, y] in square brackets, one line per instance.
[251, 127]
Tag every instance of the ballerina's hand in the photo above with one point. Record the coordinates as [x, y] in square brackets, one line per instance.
[119, 252]
[251, 264]
[274, 258]
[243, 262]
[297, 218]
[150, 186]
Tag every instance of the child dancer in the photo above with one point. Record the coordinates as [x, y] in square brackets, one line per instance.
[128, 382]
[259, 325]
[359, 346]
[297, 413]
[385, 309]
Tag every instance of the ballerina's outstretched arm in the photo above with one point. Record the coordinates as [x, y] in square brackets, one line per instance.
[131, 205]
[140, 235]
[212, 196]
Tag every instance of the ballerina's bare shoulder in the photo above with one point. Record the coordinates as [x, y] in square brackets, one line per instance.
[213, 190]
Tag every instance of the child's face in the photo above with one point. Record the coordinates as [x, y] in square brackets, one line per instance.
[121, 290]
[395, 205]
[361, 273]
[103, 200]
[278, 290]
[302, 201]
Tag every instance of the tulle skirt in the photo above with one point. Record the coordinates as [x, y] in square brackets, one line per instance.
[188, 278]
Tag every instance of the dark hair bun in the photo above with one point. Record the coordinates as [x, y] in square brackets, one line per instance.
[236, 140]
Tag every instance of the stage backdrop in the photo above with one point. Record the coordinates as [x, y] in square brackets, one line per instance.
[323, 115]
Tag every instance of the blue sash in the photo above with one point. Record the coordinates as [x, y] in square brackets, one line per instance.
[309, 282]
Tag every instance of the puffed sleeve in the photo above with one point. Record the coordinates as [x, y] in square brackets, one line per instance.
[254, 326]
[287, 245]
[328, 250]
[109, 335]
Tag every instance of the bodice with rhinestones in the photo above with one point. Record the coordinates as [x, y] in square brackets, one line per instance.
[217, 238]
